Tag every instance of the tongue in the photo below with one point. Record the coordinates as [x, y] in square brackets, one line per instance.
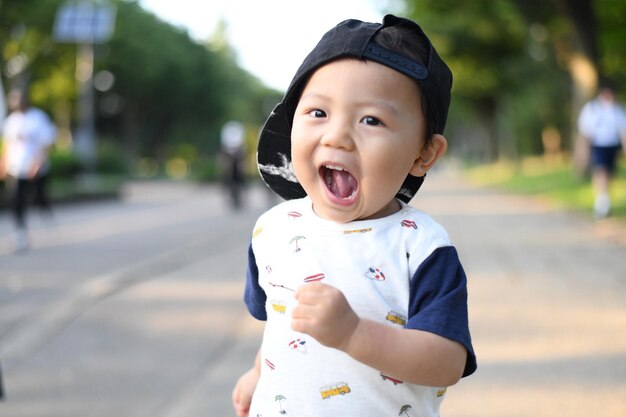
[341, 183]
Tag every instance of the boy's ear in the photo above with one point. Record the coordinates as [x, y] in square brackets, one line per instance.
[431, 152]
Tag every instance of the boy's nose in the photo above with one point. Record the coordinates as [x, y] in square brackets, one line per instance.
[338, 135]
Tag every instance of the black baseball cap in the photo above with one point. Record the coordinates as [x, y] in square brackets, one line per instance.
[352, 38]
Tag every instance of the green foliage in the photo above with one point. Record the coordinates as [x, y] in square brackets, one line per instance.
[26, 43]
[552, 179]
[205, 169]
[64, 164]
[175, 90]
[111, 159]
[475, 37]
[511, 68]
[171, 89]
[611, 39]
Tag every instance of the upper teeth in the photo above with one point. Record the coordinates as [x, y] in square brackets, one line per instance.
[336, 168]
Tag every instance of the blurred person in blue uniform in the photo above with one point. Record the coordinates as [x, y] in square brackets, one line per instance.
[602, 123]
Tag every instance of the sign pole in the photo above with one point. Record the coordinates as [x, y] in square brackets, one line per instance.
[85, 23]
[85, 144]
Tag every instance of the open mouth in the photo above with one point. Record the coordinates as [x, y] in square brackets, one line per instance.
[339, 182]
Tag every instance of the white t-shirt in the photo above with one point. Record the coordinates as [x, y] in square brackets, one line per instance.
[26, 136]
[399, 270]
[602, 122]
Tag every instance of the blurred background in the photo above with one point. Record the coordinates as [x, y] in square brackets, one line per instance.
[128, 301]
[161, 91]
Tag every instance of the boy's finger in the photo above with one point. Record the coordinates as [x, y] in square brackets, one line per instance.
[312, 287]
[306, 295]
[302, 325]
[303, 311]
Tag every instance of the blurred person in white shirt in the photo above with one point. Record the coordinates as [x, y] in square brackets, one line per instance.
[602, 122]
[27, 137]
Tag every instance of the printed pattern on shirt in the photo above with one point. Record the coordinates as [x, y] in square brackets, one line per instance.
[369, 264]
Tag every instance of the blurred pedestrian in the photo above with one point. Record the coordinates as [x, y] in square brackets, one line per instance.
[602, 123]
[27, 137]
[231, 161]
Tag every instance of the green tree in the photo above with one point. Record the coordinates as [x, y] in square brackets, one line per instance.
[477, 39]
[174, 90]
[29, 56]
[522, 66]
[169, 90]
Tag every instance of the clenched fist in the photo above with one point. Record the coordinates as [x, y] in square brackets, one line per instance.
[324, 313]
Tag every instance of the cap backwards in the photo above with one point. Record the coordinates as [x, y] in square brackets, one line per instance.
[352, 38]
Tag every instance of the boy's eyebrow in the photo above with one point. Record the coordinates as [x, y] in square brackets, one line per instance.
[307, 95]
[314, 95]
[363, 103]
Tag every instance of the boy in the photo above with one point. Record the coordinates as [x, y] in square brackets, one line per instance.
[364, 297]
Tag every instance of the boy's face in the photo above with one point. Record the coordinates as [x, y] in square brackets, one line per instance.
[358, 130]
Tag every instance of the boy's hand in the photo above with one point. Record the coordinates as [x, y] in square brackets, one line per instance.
[324, 313]
[242, 393]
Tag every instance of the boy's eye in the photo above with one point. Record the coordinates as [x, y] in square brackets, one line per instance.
[317, 113]
[371, 121]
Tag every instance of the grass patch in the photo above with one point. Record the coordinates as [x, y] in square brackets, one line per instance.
[86, 187]
[553, 179]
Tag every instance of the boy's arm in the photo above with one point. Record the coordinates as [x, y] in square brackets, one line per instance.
[245, 386]
[410, 355]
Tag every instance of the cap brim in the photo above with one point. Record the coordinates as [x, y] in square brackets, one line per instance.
[274, 156]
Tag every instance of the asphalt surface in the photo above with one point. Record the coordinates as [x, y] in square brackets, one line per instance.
[134, 307]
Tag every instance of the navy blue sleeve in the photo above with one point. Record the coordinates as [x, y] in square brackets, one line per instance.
[438, 301]
[254, 296]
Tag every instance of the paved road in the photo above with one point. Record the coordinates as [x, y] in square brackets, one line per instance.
[133, 307]
[548, 306]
